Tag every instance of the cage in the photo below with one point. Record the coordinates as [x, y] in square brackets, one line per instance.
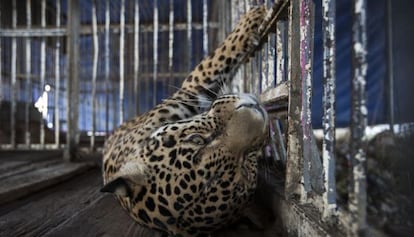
[72, 71]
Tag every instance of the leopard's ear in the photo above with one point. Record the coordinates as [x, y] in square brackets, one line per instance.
[119, 186]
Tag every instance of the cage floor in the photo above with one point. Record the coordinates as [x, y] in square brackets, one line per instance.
[72, 206]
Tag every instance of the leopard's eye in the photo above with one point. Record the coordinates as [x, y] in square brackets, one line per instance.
[196, 139]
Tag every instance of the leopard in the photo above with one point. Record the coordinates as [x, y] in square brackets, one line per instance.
[189, 166]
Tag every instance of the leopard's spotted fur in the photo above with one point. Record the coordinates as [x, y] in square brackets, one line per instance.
[186, 171]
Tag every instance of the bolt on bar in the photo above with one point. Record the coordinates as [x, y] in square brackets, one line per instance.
[358, 195]
[28, 76]
[106, 65]
[13, 79]
[155, 53]
[121, 63]
[189, 35]
[57, 77]
[94, 72]
[328, 146]
[136, 55]
[42, 70]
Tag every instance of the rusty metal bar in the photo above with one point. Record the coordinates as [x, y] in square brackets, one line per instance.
[294, 164]
[155, 53]
[358, 192]
[328, 124]
[28, 76]
[106, 65]
[94, 72]
[57, 77]
[72, 86]
[13, 79]
[306, 49]
[43, 71]
[136, 56]
[189, 35]
[171, 43]
[205, 28]
[121, 63]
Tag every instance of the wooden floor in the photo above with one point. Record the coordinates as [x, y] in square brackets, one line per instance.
[65, 201]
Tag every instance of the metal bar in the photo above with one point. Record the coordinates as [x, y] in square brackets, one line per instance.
[136, 56]
[280, 141]
[57, 77]
[171, 44]
[280, 52]
[28, 72]
[358, 195]
[189, 35]
[147, 69]
[94, 71]
[294, 164]
[328, 124]
[32, 147]
[72, 96]
[306, 36]
[13, 79]
[205, 28]
[43, 71]
[51, 31]
[155, 53]
[121, 63]
[1, 71]
[107, 55]
[33, 32]
[390, 66]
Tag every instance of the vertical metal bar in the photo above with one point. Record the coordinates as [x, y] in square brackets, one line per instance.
[107, 53]
[358, 195]
[306, 42]
[121, 62]
[171, 41]
[328, 124]
[189, 35]
[155, 53]
[13, 79]
[57, 77]
[294, 165]
[1, 62]
[390, 67]
[280, 52]
[136, 55]
[94, 71]
[72, 96]
[43, 71]
[279, 138]
[28, 75]
[205, 28]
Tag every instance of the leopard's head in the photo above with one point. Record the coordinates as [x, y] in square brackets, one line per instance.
[196, 175]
